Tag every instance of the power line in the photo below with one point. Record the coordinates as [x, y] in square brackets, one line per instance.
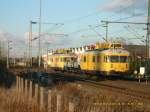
[54, 27]
[80, 30]
[134, 31]
[82, 17]
[128, 17]
[97, 33]
[137, 36]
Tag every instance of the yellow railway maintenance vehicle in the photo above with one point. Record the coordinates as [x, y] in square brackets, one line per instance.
[62, 61]
[106, 59]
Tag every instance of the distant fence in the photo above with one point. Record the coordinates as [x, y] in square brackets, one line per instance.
[48, 100]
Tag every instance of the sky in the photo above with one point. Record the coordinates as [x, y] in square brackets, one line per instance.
[76, 17]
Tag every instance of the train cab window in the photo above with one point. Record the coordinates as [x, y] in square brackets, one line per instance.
[114, 59]
[84, 59]
[93, 59]
[123, 59]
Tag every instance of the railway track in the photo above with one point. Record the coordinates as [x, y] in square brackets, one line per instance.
[140, 95]
[122, 90]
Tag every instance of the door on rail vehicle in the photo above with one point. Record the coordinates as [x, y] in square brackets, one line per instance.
[83, 62]
[91, 62]
[103, 63]
[98, 62]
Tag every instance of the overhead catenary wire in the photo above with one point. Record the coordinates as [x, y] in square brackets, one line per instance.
[137, 36]
[134, 31]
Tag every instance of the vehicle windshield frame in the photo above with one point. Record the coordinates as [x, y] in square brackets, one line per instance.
[117, 59]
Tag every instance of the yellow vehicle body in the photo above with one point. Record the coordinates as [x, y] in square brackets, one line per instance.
[59, 61]
[105, 61]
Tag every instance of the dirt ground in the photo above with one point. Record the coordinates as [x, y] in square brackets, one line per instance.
[133, 85]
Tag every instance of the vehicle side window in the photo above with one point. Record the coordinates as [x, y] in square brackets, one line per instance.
[104, 58]
[93, 58]
[84, 58]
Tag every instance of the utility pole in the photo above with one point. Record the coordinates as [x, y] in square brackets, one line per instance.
[8, 55]
[106, 26]
[40, 19]
[14, 58]
[30, 45]
[29, 55]
[8, 49]
[47, 57]
[106, 31]
[148, 31]
[0, 50]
